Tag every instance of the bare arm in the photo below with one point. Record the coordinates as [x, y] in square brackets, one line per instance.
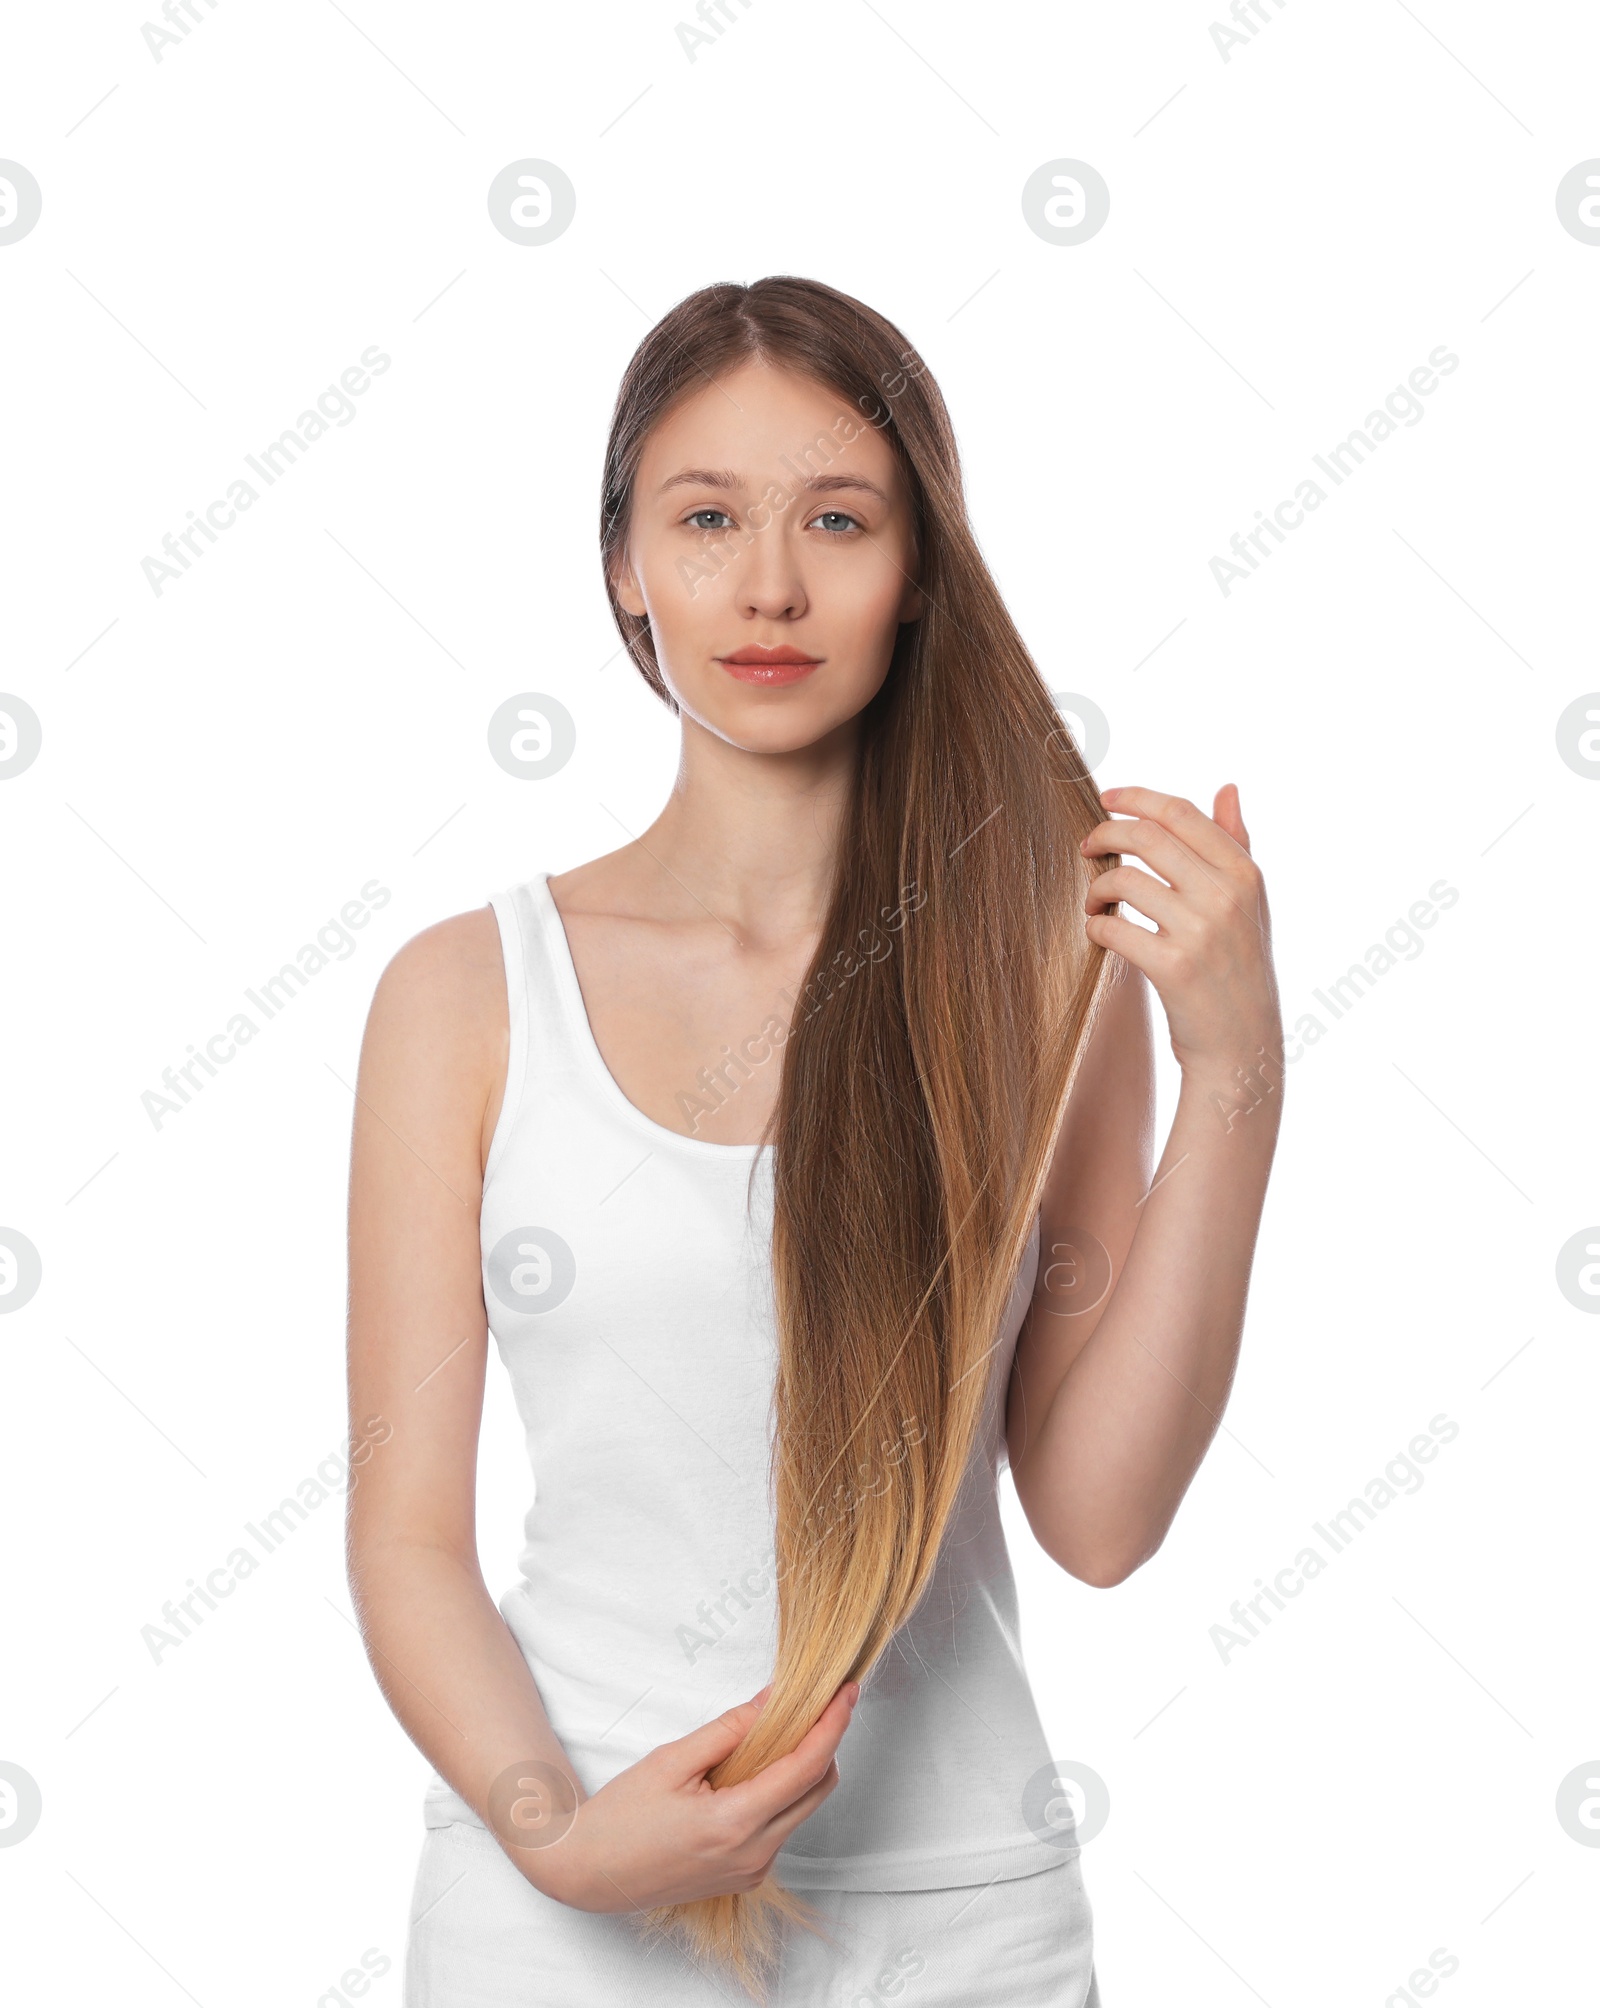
[432, 1064]
[1126, 1359]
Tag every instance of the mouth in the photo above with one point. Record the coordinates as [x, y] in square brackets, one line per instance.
[769, 666]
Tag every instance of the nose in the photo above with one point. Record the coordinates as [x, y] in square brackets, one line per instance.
[768, 584]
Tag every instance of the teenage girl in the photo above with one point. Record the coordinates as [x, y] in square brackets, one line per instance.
[797, 1153]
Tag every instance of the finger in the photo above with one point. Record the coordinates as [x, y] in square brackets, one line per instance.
[1149, 953]
[1172, 856]
[1179, 817]
[782, 1825]
[1143, 837]
[1225, 810]
[705, 1747]
[1160, 902]
[776, 1786]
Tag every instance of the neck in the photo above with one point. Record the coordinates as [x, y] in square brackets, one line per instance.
[752, 836]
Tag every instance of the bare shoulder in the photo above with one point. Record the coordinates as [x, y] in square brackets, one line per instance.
[447, 982]
[450, 962]
[438, 1030]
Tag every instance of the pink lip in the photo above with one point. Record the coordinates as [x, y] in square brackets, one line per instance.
[768, 667]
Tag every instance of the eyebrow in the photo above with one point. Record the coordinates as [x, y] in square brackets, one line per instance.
[817, 484]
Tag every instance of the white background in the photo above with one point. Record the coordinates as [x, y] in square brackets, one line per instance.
[224, 765]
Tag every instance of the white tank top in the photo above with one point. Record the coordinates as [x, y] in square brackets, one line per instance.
[630, 1297]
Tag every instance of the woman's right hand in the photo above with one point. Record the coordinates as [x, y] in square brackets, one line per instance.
[659, 1834]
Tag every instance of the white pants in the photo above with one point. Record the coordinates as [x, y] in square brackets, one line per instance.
[481, 1936]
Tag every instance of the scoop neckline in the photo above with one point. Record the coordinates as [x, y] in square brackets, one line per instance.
[589, 1046]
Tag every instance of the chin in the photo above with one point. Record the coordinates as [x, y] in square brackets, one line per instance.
[766, 721]
[790, 731]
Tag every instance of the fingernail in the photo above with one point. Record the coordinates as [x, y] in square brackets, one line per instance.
[852, 1692]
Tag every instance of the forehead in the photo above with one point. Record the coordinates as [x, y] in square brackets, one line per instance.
[764, 422]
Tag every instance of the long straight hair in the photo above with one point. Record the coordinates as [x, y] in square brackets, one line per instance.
[926, 1074]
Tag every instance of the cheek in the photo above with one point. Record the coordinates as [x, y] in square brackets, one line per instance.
[686, 599]
[879, 618]
[868, 595]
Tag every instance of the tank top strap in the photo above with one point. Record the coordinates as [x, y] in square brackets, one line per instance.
[543, 1003]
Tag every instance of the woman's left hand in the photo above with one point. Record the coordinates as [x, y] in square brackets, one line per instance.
[1210, 959]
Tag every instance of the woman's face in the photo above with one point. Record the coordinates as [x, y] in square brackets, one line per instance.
[767, 516]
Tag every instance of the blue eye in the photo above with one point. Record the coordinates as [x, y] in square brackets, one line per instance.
[839, 516]
[690, 519]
